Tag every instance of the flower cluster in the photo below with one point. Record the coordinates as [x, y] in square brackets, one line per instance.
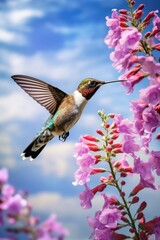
[123, 151]
[119, 148]
[126, 37]
[15, 215]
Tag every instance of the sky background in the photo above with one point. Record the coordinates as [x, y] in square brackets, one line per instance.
[60, 42]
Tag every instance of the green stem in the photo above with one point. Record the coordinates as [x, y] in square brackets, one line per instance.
[124, 201]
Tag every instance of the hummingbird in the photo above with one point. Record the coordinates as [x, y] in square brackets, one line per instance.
[65, 109]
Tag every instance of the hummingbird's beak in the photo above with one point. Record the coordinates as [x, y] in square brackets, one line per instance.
[106, 82]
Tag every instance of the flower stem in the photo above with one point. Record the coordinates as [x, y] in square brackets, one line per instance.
[132, 224]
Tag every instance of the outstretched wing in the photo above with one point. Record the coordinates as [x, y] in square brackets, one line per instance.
[45, 94]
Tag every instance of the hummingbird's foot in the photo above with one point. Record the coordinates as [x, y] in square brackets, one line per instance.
[64, 136]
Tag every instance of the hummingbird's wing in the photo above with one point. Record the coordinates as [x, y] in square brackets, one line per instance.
[44, 93]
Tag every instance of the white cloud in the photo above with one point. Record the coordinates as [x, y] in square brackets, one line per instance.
[71, 214]
[57, 159]
[18, 106]
[6, 151]
[21, 16]
[11, 37]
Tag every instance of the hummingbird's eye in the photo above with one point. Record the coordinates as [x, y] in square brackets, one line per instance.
[92, 84]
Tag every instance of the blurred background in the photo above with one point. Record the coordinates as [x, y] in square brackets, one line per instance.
[60, 42]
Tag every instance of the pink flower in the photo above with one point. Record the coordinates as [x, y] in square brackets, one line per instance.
[129, 145]
[86, 197]
[115, 29]
[3, 175]
[155, 161]
[110, 217]
[122, 55]
[49, 227]
[151, 94]
[82, 176]
[144, 169]
[14, 204]
[85, 161]
[150, 67]
[151, 119]
[7, 191]
[156, 24]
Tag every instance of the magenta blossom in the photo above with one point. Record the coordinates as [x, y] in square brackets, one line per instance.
[155, 161]
[51, 226]
[151, 94]
[151, 119]
[156, 24]
[85, 161]
[144, 169]
[115, 30]
[14, 204]
[129, 145]
[86, 197]
[122, 55]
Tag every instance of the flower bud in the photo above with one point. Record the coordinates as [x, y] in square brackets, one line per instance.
[90, 138]
[157, 47]
[135, 200]
[99, 132]
[132, 2]
[97, 157]
[140, 215]
[93, 147]
[99, 188]
[147, 34]
[142, 207]
[117, 150]
[138, 14]
[115, 136]
[148, 17]
[110, 141]
[123, 174]
[116, 145]
[124, 219]
[131, 230]
[123, 11]
[109, 149]
[136, 190]
[123, 183]
[97, 170]
[158, 136]
[140, 7]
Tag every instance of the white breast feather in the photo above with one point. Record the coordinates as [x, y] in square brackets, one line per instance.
[79, 99]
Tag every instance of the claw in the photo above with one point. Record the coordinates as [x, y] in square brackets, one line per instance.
[64, 136]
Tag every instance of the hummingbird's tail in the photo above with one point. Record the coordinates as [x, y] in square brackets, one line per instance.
[37, 145]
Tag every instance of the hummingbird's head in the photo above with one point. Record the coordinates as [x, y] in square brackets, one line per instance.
[89, 86]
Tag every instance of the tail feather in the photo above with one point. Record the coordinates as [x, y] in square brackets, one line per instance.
[32, 152]
[36, 146]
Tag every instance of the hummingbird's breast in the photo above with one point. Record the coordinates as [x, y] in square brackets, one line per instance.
[69, 112]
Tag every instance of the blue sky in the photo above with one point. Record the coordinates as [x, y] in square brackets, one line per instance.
[60, 42]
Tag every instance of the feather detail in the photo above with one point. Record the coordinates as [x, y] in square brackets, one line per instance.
[44, 93]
